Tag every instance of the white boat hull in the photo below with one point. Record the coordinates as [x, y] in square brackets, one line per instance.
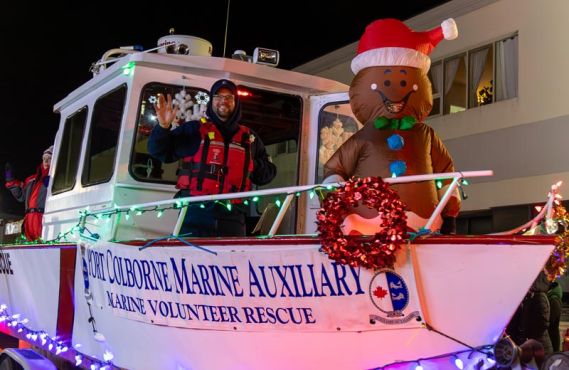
[460, 293]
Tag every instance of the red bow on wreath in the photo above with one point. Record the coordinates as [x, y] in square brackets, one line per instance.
[374, 252]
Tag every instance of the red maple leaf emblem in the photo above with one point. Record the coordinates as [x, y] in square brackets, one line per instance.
[379, 292]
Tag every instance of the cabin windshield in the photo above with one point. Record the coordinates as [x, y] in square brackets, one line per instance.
[144, 167]
[336, 123]
[275, 117]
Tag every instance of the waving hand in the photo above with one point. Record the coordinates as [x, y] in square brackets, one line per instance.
[165, 112]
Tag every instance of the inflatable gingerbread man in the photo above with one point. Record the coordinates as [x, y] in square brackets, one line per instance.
[391, 95]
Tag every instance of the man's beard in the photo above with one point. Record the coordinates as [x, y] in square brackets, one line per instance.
[224, 114]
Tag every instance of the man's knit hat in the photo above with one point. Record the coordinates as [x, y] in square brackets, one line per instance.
[48, 150]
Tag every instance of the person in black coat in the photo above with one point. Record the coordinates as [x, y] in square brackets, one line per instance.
[531, 320]
[555, 297]
[218, 154]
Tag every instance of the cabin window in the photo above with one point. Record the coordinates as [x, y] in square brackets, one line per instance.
[144, 167]
[69, 152]
[103, 137]
[275, 118]
[336, 123]
[476, 77]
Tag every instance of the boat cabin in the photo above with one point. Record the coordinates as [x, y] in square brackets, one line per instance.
[101, 159]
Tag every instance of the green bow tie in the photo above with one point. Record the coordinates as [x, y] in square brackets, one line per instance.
[384, 123]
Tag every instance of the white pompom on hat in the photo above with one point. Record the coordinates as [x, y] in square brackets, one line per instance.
[49, 150]
[389, 42]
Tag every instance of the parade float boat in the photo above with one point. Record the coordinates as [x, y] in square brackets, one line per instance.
[115, 286]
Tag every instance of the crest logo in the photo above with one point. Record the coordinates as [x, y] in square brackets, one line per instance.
[389, 293]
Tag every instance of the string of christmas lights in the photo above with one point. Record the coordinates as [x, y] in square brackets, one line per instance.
[478, 358]
[88, 218]
[16, 326]
[224, 199]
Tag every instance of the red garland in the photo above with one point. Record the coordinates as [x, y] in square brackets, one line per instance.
[372, 252]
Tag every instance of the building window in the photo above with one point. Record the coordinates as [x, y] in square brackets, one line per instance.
[69, 152]
[477, 77]
[507, 68]
[480, 75]
[103, 137]
[454, 98]
[435, 75]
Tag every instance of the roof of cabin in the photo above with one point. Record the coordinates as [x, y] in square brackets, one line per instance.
[212, 67]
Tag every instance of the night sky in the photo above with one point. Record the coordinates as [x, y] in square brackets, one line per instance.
[45, 57]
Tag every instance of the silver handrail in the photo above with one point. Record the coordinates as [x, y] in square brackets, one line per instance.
[291, 191]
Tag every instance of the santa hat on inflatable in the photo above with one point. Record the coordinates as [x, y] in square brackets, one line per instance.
[389, 42]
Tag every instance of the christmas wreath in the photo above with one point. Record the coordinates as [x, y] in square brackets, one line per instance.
[374, 252]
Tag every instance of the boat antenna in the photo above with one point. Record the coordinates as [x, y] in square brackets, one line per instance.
[226, 27]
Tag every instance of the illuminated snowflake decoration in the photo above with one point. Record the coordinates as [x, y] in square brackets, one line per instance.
[184, 102]
[202, 97]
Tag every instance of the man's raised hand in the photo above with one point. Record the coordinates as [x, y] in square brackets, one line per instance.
[165, 112]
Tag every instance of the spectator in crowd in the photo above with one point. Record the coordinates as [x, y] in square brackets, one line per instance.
[532, 318]
[555, 297]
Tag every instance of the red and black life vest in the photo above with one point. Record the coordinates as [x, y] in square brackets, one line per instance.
[207, 171]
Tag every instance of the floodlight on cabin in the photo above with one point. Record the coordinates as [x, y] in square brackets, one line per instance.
[268, 57]
[241, 55]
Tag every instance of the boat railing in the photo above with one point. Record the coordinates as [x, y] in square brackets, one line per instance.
[545, 212]
[289, 192]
